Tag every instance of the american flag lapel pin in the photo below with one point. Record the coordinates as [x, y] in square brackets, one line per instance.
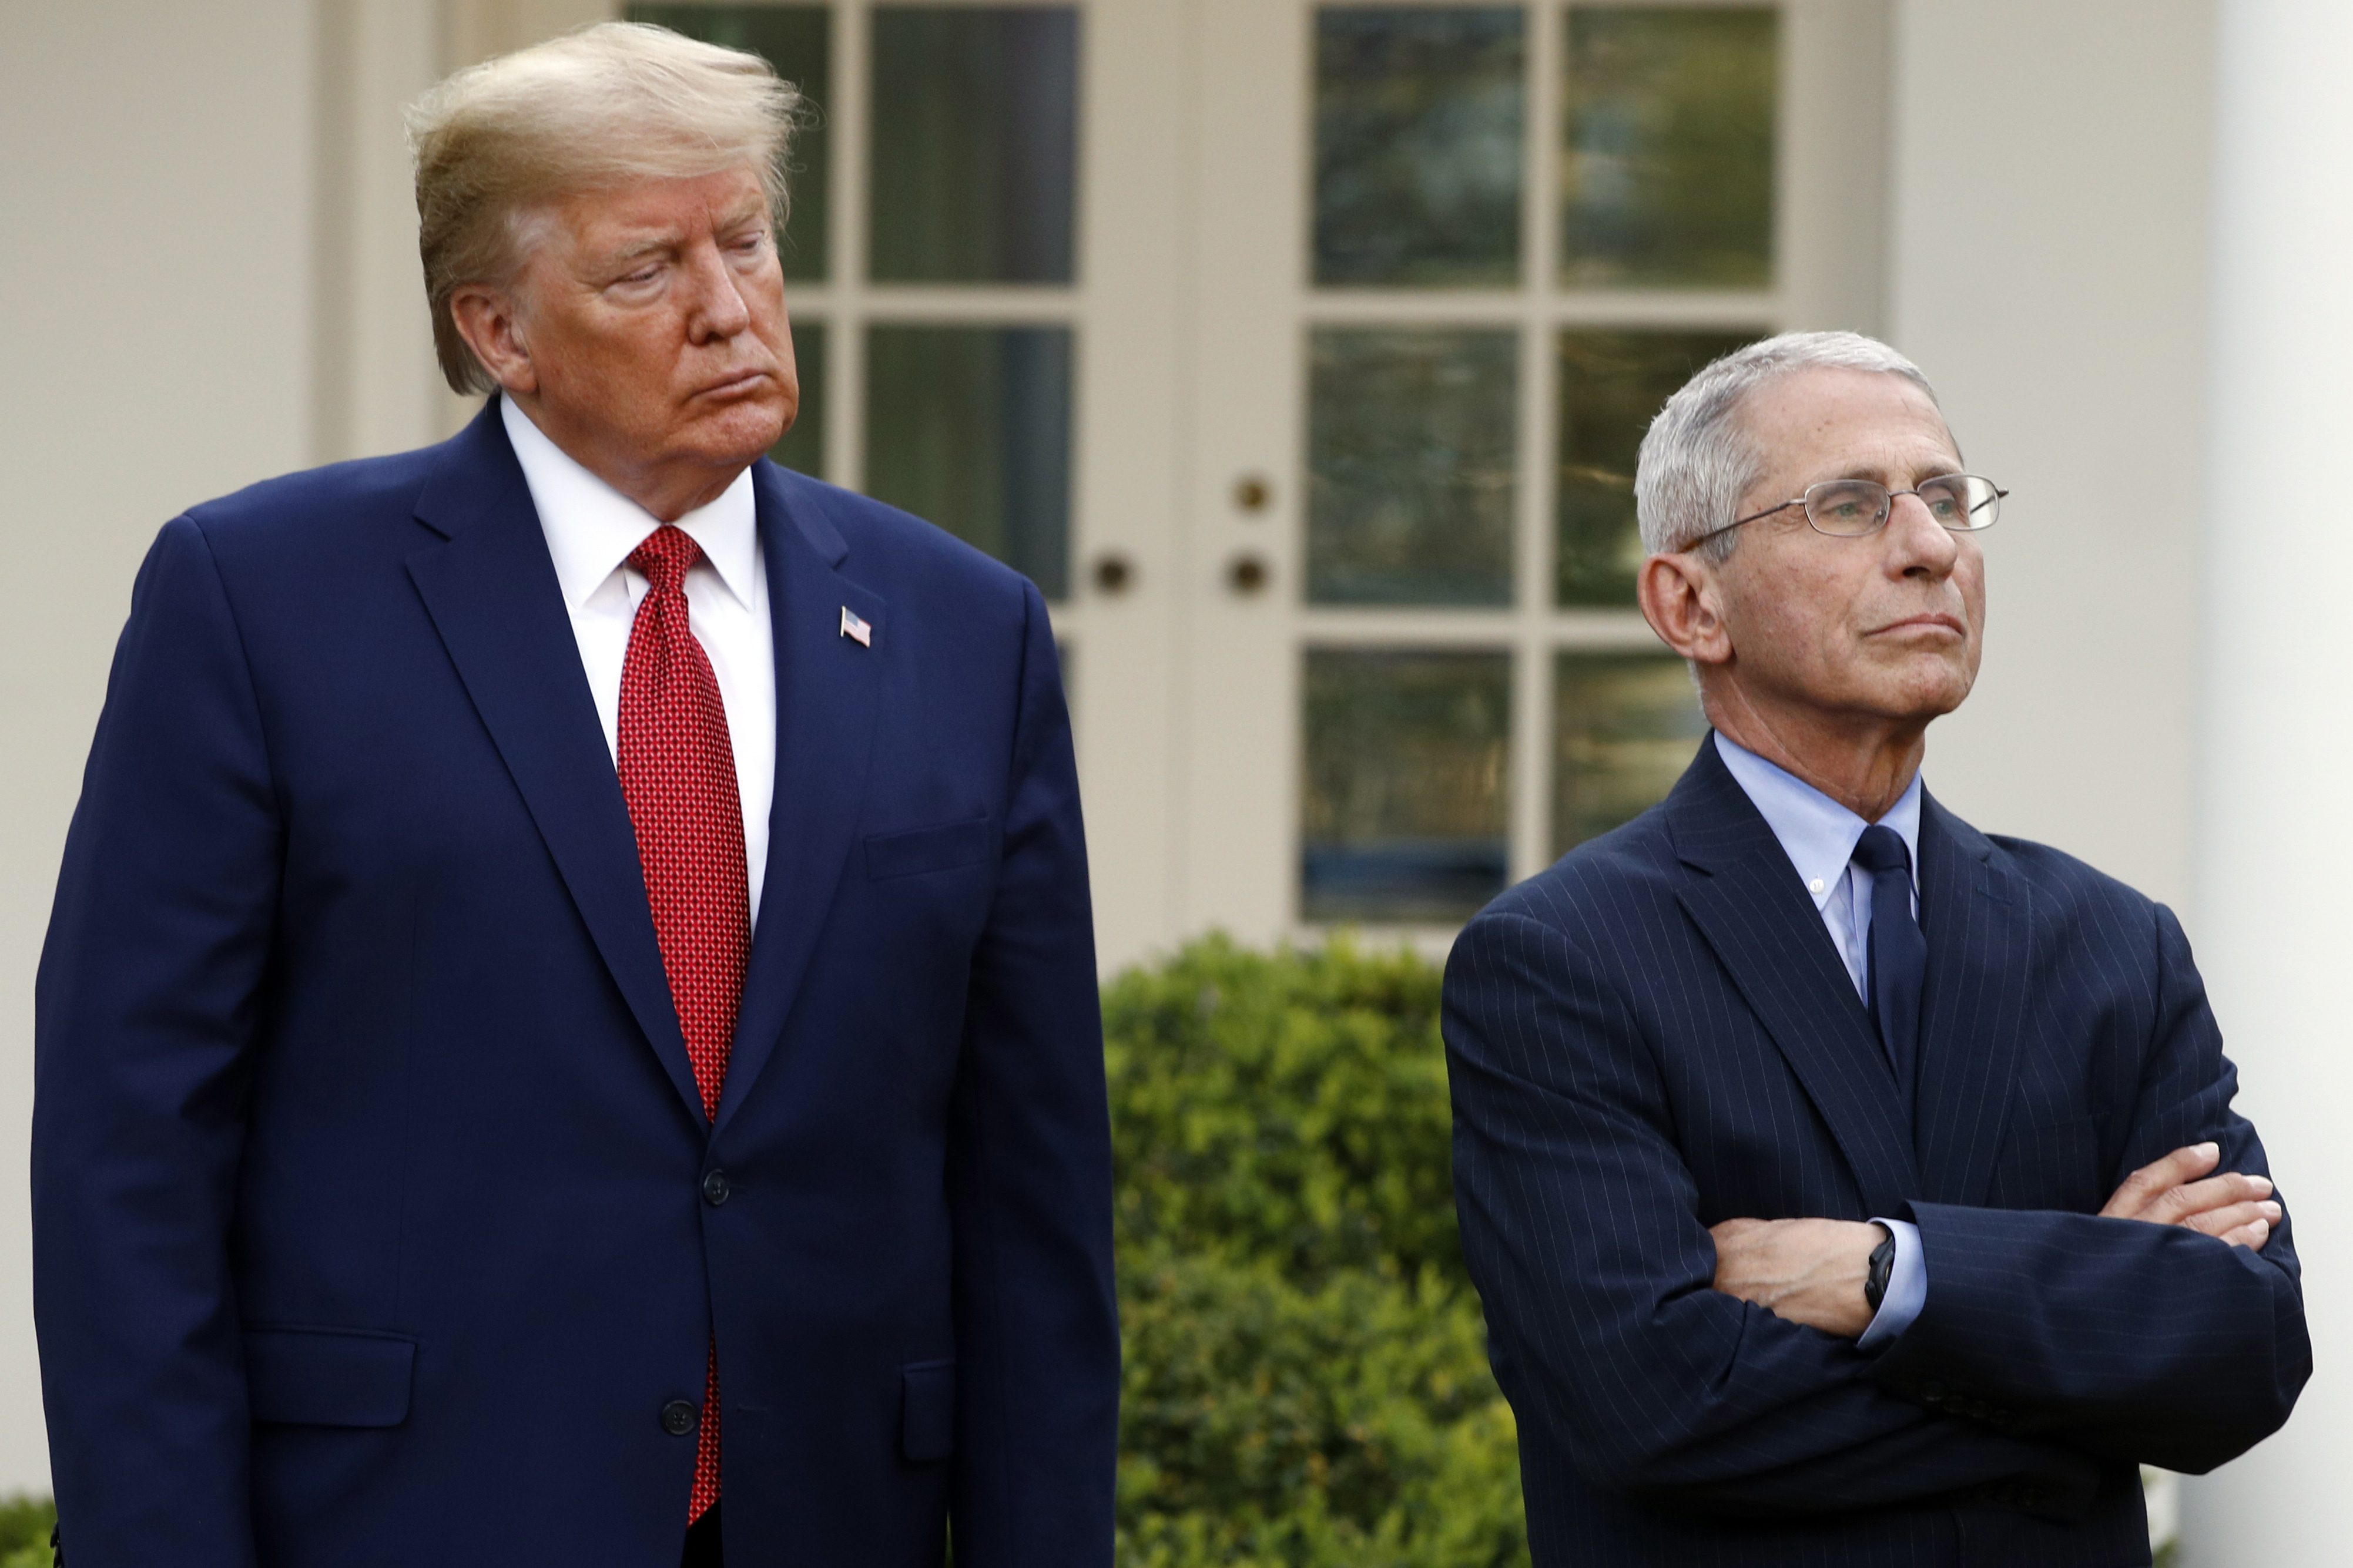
[854, 628]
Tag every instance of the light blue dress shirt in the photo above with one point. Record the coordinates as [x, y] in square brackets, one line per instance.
[1819, 835]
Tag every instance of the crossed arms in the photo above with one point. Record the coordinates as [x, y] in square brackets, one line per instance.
[1812, 1271]
[2051, 1341]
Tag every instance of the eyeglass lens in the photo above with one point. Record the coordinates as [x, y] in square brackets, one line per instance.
[1850, 507]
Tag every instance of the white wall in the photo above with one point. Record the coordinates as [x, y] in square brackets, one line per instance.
[2141, 334]
[2049, 204]
[154, 322]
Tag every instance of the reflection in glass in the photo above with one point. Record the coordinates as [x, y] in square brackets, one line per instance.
[1410, 455]
[803, 446]
[1624, 728]
[1418, 135]
[798, 40]
[969, 427]
[1405, 809]
[1611, 384]
[975, 138]
[1668, 172]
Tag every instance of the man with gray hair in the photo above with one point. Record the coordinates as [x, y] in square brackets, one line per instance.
[568, 1033]
[1844, 1186]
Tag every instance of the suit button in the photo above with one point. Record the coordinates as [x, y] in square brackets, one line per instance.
[715, 1188]
[1977, 1410]
[680, 1418]
[1931, 1394]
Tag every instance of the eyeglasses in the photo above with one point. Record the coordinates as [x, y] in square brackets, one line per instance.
[1849, 509]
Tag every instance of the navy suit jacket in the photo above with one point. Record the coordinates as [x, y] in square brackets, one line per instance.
[375, 1216]
[1657, 1035]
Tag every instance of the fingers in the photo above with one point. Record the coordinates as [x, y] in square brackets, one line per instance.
[2251, 1235]
[2233, 1217]
[2235, 1208]
[2145, 1185]
[2181, 1205]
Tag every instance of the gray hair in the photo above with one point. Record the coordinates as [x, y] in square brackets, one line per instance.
[608, 105]
[1697, 460]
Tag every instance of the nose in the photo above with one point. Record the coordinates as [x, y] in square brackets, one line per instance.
[719, 310]
[1918, 542]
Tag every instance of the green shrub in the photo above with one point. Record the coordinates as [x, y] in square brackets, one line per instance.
[25, 1525]
[1307, 1380]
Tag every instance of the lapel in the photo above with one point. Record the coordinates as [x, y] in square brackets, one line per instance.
[1977, 917]
[827, 688]
[490, 587]
[1747, 902]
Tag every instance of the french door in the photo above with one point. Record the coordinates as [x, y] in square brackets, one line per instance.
[1451, 260]
[1299, 352]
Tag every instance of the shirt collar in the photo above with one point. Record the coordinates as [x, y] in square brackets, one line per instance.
[1816, 832]
[591, 527]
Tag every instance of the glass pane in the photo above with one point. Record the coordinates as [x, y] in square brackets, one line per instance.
[1668, 172]
[975, 138]
[1409, 458]
[1611, 384]
[803, 446]
[798, 40]
[970, 428]
[1405, 810]
[1624, 728]
[1419, 115]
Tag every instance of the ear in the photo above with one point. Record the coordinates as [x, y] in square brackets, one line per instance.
[489, 322]
[1683, 602]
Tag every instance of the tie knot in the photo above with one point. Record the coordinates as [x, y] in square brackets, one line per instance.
[1881, 849]
[665, 557]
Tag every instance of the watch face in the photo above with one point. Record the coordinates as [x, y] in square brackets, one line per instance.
[1883, 1264]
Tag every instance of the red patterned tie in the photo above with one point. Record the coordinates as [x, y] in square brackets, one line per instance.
[678, 774]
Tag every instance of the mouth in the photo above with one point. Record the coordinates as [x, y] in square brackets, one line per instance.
[1929, 622]
[742, 381]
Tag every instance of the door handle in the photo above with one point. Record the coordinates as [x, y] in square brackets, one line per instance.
[1114, 573]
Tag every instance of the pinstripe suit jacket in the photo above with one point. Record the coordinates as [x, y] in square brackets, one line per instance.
[1656, 1035]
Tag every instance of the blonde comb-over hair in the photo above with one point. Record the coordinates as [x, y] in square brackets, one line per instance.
[610, 105]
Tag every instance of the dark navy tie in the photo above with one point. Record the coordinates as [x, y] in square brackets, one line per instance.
[1897, 955]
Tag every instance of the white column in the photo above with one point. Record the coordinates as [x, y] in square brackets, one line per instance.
[2275, 838]
[378, 389]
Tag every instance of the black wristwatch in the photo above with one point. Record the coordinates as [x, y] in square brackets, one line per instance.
[1883, 1264]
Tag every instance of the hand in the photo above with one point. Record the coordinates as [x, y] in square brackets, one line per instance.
[1810, 1271]
[2239, 1209]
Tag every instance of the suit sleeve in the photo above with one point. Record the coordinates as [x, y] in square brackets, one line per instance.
[2130, 1340]
[147, 1006]
[1030, 1181]
[1580, 1225]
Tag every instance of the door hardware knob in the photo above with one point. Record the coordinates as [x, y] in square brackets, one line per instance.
[1114, 572]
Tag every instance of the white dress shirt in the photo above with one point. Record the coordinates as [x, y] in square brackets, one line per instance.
[591, 529]
[1819, 835]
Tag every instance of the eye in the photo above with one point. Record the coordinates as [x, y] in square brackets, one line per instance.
[1943, 498]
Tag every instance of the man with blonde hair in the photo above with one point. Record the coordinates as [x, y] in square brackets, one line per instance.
[568, 1033]
[1843, 1185]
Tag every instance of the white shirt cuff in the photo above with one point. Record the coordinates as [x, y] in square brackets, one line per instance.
[1908, 1286]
